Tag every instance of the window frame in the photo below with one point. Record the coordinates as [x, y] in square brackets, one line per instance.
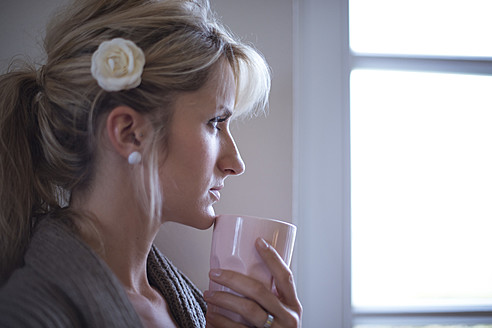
[322, 66]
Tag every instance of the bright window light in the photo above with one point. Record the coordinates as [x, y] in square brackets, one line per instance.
[421, 27]
[426, 326]
[421, 170]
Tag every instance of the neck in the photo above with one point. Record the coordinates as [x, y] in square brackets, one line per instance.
[118, 230]
[124, 246]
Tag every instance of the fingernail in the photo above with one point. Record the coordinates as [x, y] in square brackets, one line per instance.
[215, 272]
[262, 243]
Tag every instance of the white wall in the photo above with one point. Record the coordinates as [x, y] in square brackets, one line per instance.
[265, 189]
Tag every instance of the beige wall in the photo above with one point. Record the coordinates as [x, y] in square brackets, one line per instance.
[265, 189]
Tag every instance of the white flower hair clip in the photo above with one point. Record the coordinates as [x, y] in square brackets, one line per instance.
[118, 64]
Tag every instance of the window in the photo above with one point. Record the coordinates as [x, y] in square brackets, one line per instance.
[387, 132]
[421, 162]
[458, 28]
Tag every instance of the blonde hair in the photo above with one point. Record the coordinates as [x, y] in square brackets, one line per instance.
[49, 117]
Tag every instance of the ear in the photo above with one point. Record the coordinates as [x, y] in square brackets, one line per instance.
[126, 129]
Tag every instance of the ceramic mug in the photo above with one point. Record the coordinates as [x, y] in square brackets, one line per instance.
[233, 248]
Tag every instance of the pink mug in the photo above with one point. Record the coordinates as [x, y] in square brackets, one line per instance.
[233, 248]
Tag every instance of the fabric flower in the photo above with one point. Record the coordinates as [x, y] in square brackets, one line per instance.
[118, 64]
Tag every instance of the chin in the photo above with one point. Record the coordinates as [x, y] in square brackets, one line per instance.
[203, 220]
[202, 224]
[207, 221]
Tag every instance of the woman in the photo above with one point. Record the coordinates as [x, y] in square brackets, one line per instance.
[125, 127]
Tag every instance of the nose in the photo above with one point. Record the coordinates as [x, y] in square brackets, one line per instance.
[231, 163]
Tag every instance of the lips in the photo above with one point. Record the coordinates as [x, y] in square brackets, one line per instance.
[215, 191]
[215, 194]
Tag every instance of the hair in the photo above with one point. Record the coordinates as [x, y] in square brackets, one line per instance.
[49, 116]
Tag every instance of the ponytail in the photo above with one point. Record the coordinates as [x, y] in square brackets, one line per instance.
[21, 199]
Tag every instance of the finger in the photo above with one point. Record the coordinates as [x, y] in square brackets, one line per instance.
[282, 275]
[216, 320]
[249, 288]
[285, 316]
[249, 310]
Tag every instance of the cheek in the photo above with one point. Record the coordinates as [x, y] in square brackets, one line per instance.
[192, 155]
[196, 160]
[203, 153]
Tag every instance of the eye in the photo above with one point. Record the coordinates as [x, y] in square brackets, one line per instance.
[216, 120]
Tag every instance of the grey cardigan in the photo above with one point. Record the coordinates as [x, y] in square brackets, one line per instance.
[65, 284]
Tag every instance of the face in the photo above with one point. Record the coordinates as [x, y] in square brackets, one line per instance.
[201, 152]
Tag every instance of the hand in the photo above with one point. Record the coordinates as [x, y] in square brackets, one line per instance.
[258, 301]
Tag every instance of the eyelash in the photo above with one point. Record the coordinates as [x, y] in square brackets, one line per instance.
[216, 120]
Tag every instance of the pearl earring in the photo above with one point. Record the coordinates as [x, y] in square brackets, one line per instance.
[134, 158]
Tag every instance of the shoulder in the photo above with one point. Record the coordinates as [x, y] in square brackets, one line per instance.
[26, 300]
[63, 284]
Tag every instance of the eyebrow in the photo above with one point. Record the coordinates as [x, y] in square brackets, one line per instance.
[226, 111]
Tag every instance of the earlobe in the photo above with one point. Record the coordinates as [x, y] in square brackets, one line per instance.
[124, 127]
